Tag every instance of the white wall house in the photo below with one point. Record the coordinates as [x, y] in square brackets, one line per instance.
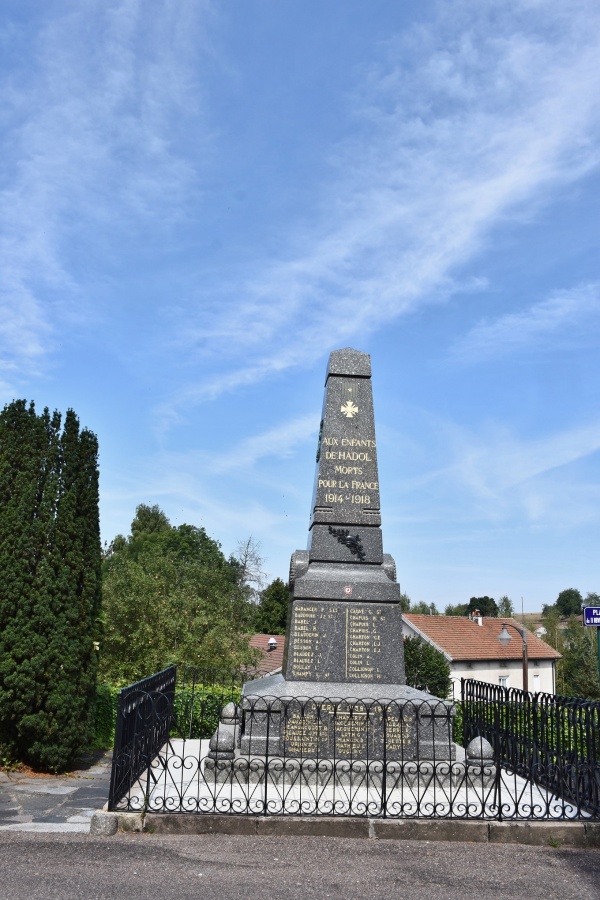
[473, 650]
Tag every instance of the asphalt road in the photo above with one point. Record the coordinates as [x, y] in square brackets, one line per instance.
[137, 867]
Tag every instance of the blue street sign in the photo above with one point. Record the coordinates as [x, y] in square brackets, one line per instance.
[591, 615]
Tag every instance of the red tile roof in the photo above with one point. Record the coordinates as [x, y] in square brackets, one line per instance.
[272, 659]
[462, 638]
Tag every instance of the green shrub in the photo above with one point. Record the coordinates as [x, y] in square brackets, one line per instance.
[426, 667]
[457, 725]
[197, 712]
[107, 697]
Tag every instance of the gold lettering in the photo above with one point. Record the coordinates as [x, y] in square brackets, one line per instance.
[348, 470]
[358, 442]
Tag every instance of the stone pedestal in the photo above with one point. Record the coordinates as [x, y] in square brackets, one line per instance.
[358, 721]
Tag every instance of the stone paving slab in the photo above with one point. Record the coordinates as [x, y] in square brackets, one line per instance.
[43, 787]
[62, 803]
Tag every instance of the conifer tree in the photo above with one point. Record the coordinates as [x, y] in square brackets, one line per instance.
[51, 588]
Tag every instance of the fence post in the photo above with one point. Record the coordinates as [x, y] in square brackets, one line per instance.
[268, 728]
[385, 710]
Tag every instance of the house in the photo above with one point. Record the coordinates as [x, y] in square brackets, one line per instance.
[473, 650]
[271, 647]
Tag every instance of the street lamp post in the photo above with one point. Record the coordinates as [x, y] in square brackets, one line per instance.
[504, 637]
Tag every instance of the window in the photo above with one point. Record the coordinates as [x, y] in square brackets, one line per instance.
[503, 680]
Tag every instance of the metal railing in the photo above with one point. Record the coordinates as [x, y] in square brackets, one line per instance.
[144, 719]
[150, 710]
[206, 748]
[550, 740]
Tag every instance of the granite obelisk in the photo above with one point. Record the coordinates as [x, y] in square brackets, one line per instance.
[345, 622]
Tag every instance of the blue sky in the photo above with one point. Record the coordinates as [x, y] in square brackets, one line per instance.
[200, 200]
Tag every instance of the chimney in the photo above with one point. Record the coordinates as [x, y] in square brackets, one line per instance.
[271, 644]
[477, 617]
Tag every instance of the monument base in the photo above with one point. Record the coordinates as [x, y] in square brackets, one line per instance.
[355, 774]
[282, 723]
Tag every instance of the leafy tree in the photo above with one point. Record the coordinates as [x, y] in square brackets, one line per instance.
[555, 638]
[272, 611]
[424, 609]
[569, 602]
[404, 603]
[170, 596]
[459, 609]
[248, 563]
[51, 587]
[592, 599]
[421, 608]
[427, 669]
[580, 662]
[487, 606]
[149, 520]
[577, 671]
[506, 607]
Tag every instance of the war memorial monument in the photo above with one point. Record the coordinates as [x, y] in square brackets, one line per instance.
[342, 692]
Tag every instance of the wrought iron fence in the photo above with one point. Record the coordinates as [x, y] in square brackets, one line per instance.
[144, 718]
[550, 740]
[152, 710]
[212, 749]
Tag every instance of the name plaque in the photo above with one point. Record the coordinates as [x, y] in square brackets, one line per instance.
[345, 642]
[355, 731]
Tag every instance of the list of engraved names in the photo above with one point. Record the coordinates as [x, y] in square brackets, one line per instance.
[363, 643]
[317, 651]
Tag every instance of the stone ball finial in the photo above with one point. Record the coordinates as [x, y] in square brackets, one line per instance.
[480, 749]
[229, 713]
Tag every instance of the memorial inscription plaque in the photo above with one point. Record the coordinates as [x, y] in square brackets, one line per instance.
[332, 641]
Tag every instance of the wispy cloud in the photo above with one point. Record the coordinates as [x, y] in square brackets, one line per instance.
[283, 440]
[504, 474]
[87, 152]
[566, 316]
[473, 118]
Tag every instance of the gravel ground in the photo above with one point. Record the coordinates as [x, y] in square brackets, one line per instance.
[48, 866]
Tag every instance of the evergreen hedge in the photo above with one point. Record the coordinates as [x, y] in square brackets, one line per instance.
[107, 697]
[197, 711]
[50, 586]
